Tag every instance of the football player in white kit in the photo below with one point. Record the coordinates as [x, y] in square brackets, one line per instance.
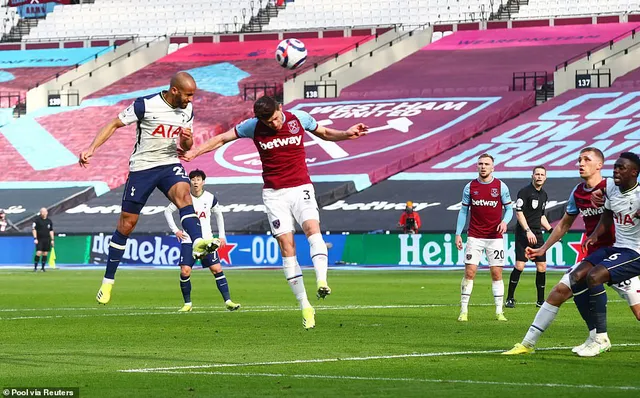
[162, 119]
[204, 204]
[621, 261]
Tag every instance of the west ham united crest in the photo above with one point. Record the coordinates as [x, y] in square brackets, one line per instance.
[494, 192]
[294, 127]
[276, 224]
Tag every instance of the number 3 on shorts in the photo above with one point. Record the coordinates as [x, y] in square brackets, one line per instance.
[307, 194]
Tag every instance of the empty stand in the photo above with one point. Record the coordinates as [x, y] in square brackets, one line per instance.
[629, 81]
[326, 13]
[21, 70]
[474, 62]
[145, 18]
[221, 71]
[550, 8]
[551, 134]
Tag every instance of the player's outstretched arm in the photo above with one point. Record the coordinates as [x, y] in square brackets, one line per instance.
[210, 145]
[559, 231]
[105, 133]
[329, 134]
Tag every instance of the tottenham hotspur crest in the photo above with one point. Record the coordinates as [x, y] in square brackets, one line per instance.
[294, 126]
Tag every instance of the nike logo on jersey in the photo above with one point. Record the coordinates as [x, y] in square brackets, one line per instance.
[278, 142]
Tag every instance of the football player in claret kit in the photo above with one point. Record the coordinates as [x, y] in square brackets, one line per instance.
[619, 262]
[288, 194]
[590, 162]
[204, 204]
[489, 202]
[161, 119]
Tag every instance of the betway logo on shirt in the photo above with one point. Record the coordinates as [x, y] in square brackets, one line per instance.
[278, 142]
[592, 212]
[483, 202]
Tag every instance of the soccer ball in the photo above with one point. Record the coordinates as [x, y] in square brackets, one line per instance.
[291, 53]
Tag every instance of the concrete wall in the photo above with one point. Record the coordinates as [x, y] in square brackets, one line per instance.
[383, 56]
[102, 74]
[564, 78]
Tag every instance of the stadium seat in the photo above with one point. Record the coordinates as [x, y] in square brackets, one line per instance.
[304, 14]
[144, 18]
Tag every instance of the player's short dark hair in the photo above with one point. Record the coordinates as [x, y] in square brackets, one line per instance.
[632, 157]
[265, 107]
[197, 173]
[486, 155]
[539, 167]
[595, 150]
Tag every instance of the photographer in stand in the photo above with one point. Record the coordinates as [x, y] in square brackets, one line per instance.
[409, 220]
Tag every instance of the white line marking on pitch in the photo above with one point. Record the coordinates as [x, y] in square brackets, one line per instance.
[257, 308]
[497, 383]
[110, 312]
[324, 360]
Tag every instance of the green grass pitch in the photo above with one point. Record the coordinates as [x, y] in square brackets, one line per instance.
[380, 333]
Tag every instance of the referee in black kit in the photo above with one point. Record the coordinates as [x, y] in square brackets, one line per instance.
[530, 206]
[42, 230]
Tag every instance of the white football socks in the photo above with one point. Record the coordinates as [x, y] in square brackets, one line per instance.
[293, 273]
[546, 314]
[466, 287]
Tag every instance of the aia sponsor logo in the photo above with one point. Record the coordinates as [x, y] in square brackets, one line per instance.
[623, 219]
[167, 131]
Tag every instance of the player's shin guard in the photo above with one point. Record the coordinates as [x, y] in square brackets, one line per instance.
[44, 261]
[546, 314]
[541, 280]
[582, 304]
[185, 287]
[116, 250]
[36, 260]
[497, 287]
[223, 287]
[293, 273]
[466, 287]
[190, 222]
[581, 299]
[598, 308]
[513, 282]
[319, 256]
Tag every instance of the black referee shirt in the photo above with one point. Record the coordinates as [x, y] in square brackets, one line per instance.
[531, 203]
[42, 227]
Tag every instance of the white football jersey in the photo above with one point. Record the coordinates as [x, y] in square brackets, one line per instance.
[203, 205]
[158, 128]
[624, 207]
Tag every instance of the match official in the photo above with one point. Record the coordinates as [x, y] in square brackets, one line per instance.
[42, 230]
[530, 206]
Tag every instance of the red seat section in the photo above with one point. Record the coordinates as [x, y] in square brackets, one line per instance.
[480, 62]
[221, 71]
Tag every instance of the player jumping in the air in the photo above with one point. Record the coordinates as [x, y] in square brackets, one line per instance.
[485, 197]
[288, 194]
[204, 203]
[590, 163]
[162, 119]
